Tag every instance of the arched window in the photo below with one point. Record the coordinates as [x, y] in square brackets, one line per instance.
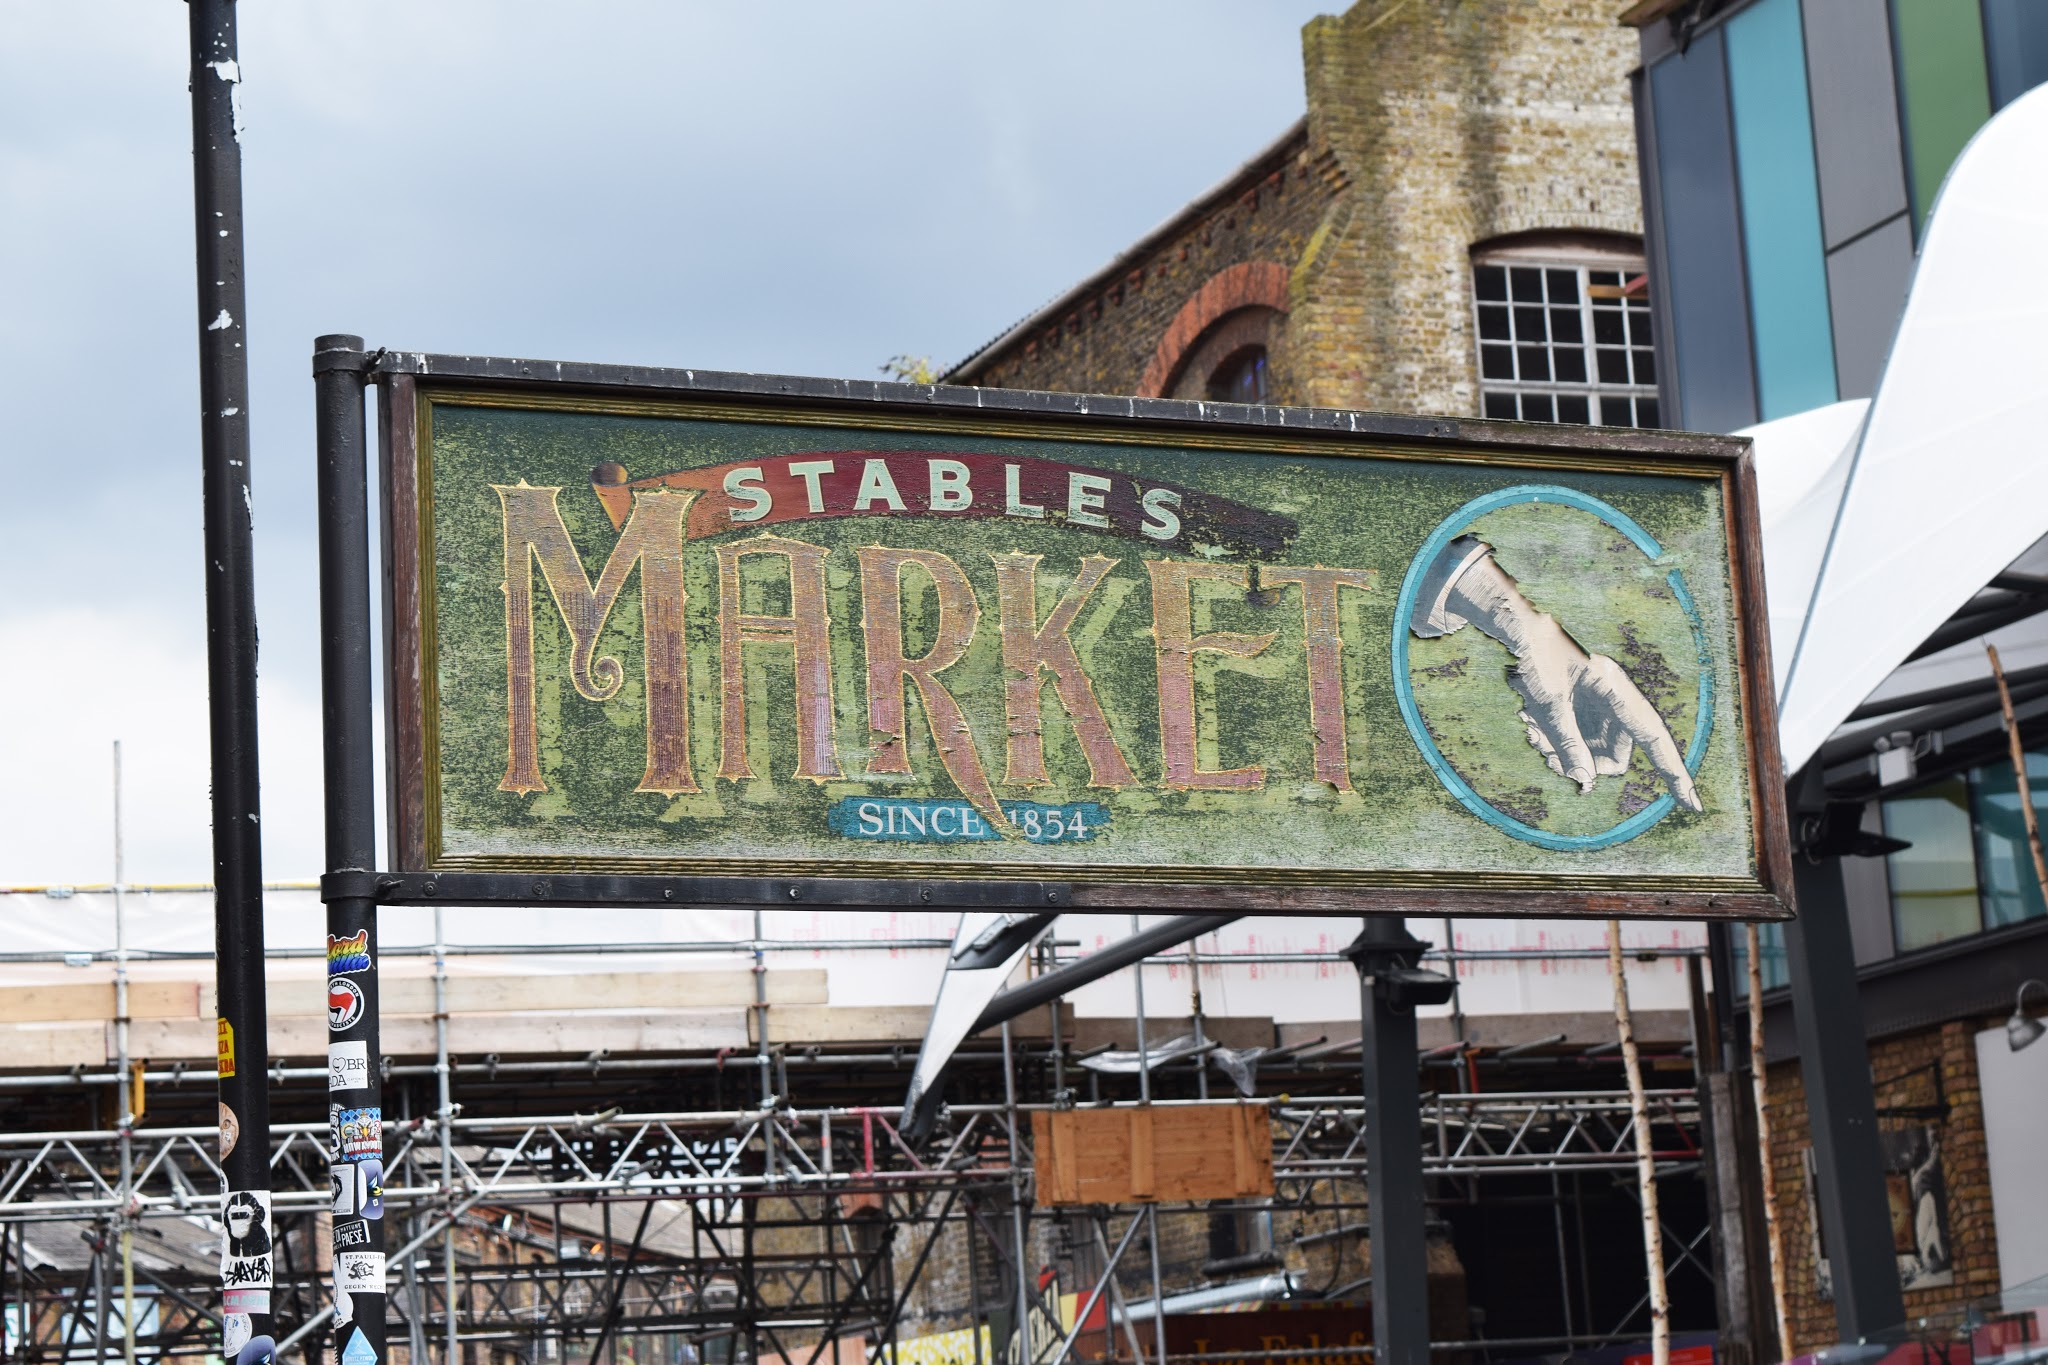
[1564, 331]
[1228, 362]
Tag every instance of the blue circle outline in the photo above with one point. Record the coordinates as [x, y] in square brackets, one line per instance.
[1454, 782]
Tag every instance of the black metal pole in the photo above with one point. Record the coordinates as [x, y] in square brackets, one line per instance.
[1834, 1068]
[355, 1080]
[1390, 987]
[243, 1040]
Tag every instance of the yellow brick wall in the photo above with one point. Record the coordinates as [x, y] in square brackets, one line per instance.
[1904, 1069]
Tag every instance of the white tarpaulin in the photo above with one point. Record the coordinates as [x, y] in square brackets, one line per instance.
[1239, 976]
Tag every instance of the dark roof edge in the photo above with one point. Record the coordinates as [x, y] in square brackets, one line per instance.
[1223, 190]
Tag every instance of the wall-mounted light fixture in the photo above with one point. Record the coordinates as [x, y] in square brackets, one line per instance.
[2023, 1029]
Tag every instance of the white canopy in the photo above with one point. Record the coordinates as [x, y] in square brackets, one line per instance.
[1882, 518]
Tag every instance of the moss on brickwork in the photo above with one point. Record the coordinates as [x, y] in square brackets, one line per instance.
[1432, 125]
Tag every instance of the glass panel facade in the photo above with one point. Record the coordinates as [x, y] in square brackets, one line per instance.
[1771, 937]
[1716, 383]
[1797, 118]
[2016, 43]
[1944, 90]
[2011, 889]
[1788, 285]
[1934, 883]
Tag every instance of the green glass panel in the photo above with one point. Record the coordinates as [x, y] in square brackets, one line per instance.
[1788, 286]
[2011, 890]
[1934, 883]
[1943, 87]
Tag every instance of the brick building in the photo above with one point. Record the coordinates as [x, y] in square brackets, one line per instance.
[1456, 159]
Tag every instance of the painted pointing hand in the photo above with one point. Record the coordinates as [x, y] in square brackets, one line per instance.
[1581, 710]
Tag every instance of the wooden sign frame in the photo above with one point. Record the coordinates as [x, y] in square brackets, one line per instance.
[412, 384]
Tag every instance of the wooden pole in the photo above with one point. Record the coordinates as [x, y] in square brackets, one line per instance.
[2019, 771]
[1774, 1235]
[1646, 1161]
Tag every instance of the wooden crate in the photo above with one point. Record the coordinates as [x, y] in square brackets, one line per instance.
[1152, 1154]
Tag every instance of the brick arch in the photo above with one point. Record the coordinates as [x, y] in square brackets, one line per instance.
[1245, 285]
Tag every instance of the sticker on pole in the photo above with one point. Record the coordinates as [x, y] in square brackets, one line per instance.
[359, 1272]
[234, 1332]
[360, 1133]
[245, 1250]
[344, 1004]
[359, 1351]
[348, 1066]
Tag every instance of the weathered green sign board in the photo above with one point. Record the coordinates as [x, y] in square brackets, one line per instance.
[1497, 669]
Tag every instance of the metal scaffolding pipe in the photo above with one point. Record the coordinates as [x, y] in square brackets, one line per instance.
[1063, 980]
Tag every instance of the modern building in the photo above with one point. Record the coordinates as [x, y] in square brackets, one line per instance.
[1791, 153]
[1793, 157]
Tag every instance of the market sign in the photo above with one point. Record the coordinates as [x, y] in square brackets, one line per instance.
[1166, 662]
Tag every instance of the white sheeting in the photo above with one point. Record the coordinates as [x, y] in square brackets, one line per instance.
[1802, 466]
[1870, 550]
[1232, 986]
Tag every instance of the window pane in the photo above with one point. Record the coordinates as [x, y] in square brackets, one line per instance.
[1534, 360]
[1946, 90]
[1493, 323]
[2011, 891]
[1607, 327]
[1694, 175]
[1572, 407]
[1934, 883]
[1493, 283]
[1771, 938]
[1571, 364]
[1646, 412]
[1536, 408]
[1788, 296]
[1614, 412]
[1497, 362]
[1500, 405]
[2016, 41]
[1527, 284]
[1646, 367]
[1606, 278]
[1564, 325]
[1529, 325]
[1564, 285]
[1613, 366]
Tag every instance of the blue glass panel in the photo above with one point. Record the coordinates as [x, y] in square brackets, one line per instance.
[2015, 47]
[1788, 286]
[1771, 938]
[1702, 238]
[2010, 889]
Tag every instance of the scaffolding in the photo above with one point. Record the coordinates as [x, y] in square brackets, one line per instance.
[755, 1232]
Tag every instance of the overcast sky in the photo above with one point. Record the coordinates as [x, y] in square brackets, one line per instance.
[805, 189]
